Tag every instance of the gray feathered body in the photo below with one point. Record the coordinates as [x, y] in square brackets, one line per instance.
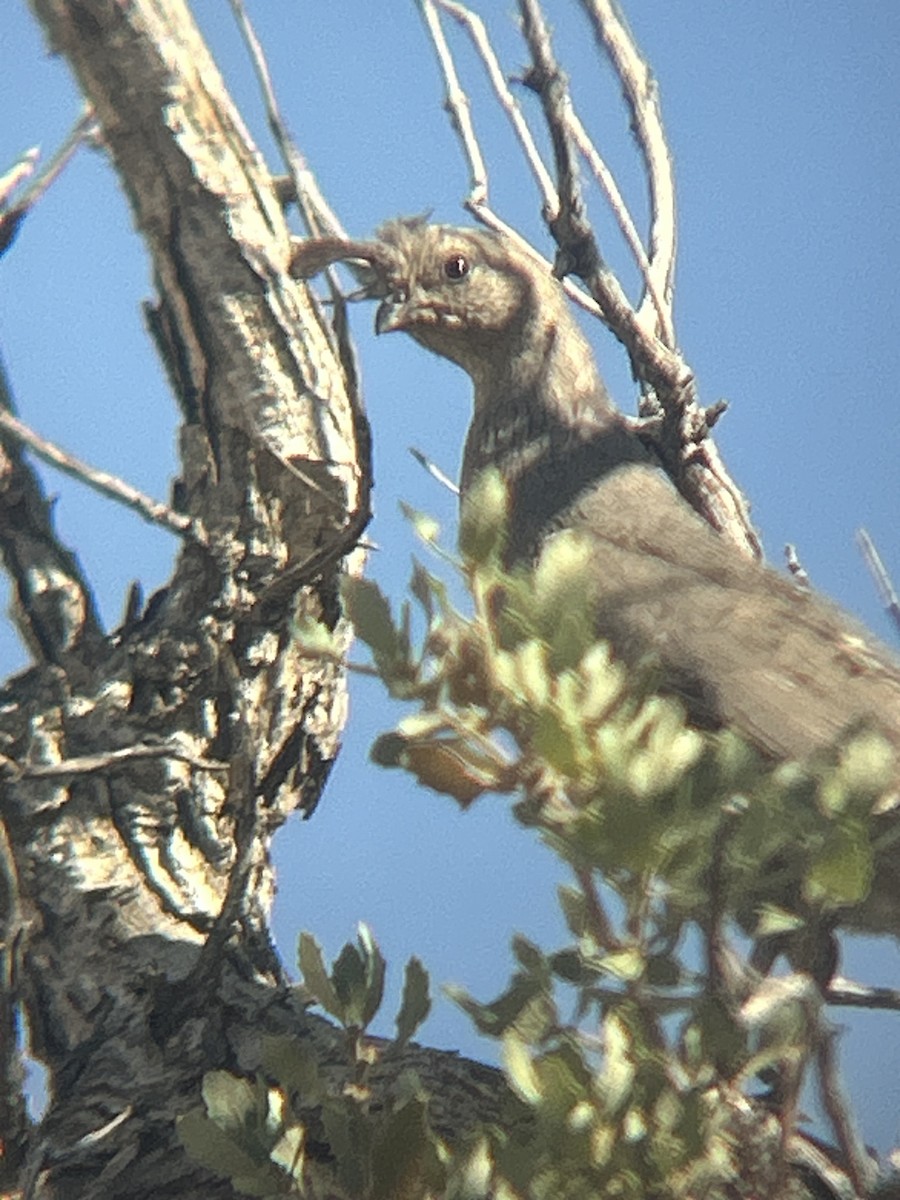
[742, 645]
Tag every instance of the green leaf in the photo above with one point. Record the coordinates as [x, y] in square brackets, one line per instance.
[519, 1068]
[405, 1164]
[231, 1102]
[288, 1152]
[530, 677]
[367, 608]
[316, 638]
[483, 521]
[374, 968]
[211, 1146]
[774, 920]
[842, 872]
[422, 586]
[564, 1082]
[348, 974]
[416, 1003]
[573, 903]
[525, 1004]
[570, 966]
[349, 1135]
[529, 956]
[561, 589]
[627, 965]
[603, 682]
[388, 750]
[556, 741]
[865, 769]
[723, 1040]
[316, 978]
[663, 970]
[619, 1069]
[294, 1066]
[425, 526]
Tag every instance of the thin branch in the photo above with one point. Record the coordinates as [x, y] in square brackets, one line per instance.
[578, 247]
[474, 27]
[319, 217]
[856, 1161]
[12, 216]
[602, 929]
[90, 764]
[795, 566]
[17, 173]
[84, 128]
[458, 109]
[101, 481]
[850, 994]
[883, 584]
[642, 97]
[607, 184]
[434, 470]
[668, 387]
[458, 105]
[456, 96]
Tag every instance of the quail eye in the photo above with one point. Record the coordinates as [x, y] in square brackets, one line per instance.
[456, 267]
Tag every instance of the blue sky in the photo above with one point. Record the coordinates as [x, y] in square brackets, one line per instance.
[782, 119]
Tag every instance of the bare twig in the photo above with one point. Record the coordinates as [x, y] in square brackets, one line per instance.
[458, 105]
[883, 584]
[12, 216]
[579, 251]
[856, 1161]
[850, 994]
[319, 217]
[90, 764]
[101, 481]
[458, 109]
[668, 388]
[642, 97]
[83, 129]
[97, 1135]
[434, 470]
[606, 182]
[795, 566]
[18, 172]
[474, 27]
[602, 929]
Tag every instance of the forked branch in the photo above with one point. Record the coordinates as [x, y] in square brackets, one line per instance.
[674, 420]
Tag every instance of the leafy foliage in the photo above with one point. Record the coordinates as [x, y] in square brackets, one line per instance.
[257, 1132]
[629, 1065]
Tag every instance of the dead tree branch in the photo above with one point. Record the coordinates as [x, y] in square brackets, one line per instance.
[676, 423]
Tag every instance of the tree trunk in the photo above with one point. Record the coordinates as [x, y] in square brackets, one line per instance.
[147, 769]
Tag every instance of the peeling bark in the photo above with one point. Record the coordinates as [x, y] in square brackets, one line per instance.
[145, 770]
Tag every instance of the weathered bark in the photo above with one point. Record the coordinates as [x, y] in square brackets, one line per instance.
[143, 879]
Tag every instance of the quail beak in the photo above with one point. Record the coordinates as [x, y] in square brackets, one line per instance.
[395, 312]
